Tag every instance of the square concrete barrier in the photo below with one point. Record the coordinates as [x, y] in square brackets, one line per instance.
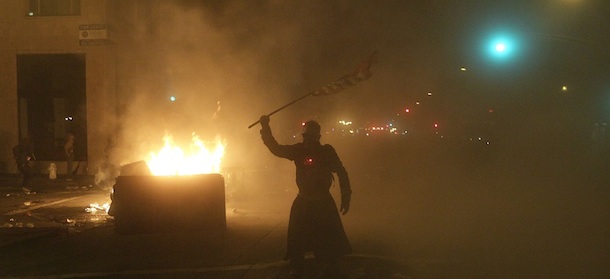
[157, 204]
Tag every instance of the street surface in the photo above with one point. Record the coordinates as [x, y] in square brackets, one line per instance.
[50, 230]
[435, 212]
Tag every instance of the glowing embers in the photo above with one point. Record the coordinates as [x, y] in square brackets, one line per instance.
[199, 158]
[95, 207]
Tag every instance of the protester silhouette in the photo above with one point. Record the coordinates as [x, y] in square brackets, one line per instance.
[314, 224]
[24, 155]
[69, 152]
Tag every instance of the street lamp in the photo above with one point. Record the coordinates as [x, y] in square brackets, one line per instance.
[502, 47]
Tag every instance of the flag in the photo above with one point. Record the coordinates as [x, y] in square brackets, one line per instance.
[361, 73]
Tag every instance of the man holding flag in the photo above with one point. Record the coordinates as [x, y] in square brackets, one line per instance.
[315, 224]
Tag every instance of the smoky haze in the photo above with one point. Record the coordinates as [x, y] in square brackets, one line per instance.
[533, 201]
[251, 57]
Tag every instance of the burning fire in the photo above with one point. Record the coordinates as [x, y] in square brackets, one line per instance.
[95, 207]
[173, 160]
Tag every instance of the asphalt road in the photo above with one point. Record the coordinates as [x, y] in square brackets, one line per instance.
[51, 231]
[416, 213]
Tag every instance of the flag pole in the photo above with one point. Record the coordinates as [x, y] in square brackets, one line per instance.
[361, 73]
[283, 107]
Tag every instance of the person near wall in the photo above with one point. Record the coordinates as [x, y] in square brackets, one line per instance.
[24, 155]
[69, 152]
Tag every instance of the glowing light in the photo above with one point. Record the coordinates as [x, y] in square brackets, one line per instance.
[343, 122]
[95, 207]
[564, 88]
[500, 47]
[173, 160]
[172, 98]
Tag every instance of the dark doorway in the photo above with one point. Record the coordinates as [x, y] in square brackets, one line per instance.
[52, 103]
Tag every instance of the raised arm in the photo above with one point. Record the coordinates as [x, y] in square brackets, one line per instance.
[269, 141]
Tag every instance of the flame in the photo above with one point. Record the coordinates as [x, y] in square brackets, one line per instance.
[95, 207]
[172, 160]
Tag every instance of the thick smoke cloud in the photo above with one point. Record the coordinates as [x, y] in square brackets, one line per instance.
[228, 62]
[426, 199]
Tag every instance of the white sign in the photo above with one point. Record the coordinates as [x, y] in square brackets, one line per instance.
[93, 34]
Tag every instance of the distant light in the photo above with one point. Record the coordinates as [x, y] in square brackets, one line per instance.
[30, 13]
[407, 110]
[500, 47]
[69, 118]
[564, 88]
[503, 46]
[490, 110]
[172, 98]
[417, 103]
[463, 69]
[435, 125]
[429, 93]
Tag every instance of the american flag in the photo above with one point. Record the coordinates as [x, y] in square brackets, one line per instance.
[361, 73]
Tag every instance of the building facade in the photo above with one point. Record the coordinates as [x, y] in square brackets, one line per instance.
[58, 76]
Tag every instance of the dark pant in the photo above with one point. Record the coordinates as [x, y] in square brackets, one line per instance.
[26, 172]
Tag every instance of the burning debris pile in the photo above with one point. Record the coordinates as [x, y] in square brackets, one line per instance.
[184, 188]
[174, 160]
[95, 207]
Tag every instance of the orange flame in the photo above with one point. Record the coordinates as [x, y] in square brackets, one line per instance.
[172, 160]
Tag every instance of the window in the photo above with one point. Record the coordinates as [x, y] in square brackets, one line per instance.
[54, 8]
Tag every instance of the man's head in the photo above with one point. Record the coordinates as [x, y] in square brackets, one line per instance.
[311, 131]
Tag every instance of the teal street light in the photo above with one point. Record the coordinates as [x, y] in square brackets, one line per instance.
[502, 47]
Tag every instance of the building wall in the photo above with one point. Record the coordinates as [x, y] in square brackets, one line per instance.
[23, 34]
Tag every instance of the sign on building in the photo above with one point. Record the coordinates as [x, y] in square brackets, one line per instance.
[93, 34]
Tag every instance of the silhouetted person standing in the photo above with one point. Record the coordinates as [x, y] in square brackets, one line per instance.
[315, 224]
[69, 151]
[23, 154]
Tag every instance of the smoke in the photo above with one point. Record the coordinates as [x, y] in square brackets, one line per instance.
[228, 62]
